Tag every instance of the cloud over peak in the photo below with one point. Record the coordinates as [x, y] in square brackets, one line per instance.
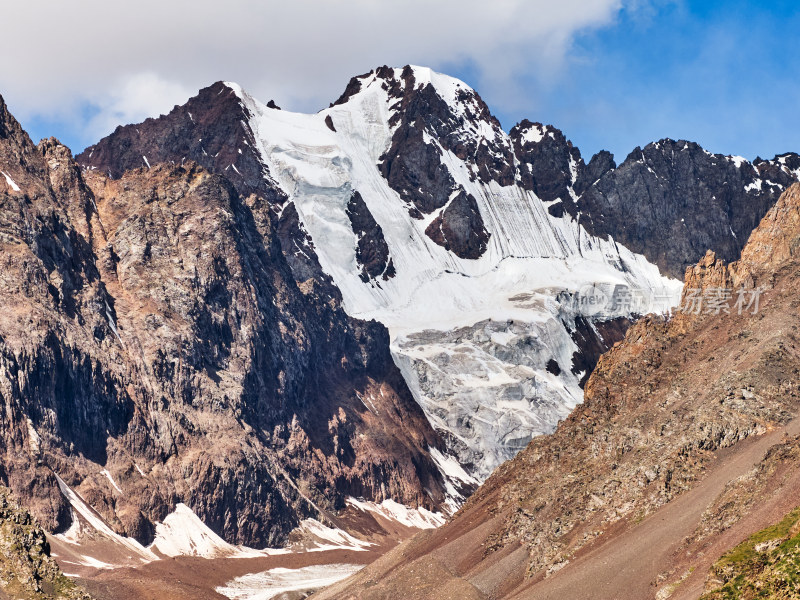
[120, 63]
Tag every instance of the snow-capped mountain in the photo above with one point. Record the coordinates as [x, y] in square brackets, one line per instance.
[235, 326]
[494, 259]
[410, 197]
[476, 278]
[156, 350]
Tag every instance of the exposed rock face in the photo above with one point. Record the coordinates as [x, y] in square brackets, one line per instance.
[157, 349]
[210, 130]
[47, 268]
[27, 571]
[549, 163]
[459, 227]
[670, 200]
[417, 105]
[372, 252]
[679, 201]
[660, 407]
[413, 166]
[593, 339]
[777, 239]
[206, 130]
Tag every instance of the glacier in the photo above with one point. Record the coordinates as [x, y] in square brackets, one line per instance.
[472, 337]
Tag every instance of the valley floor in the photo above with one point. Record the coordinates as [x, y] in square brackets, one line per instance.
[184, 578]
[316, 556]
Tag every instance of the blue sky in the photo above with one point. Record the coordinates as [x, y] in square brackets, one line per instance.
[723, 74]
[612, 74]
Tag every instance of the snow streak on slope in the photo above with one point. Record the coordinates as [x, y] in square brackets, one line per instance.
[181, 533]
[472, 337]
[390, 510]
[132, 550]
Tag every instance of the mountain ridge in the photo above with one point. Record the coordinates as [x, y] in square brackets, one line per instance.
[256, 320]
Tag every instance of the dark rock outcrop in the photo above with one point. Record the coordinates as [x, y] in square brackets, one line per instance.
[208, 130]
[595, 338]
[372, 252]
[459, 228]
[672, 201]
[413, 164]
[548, 162]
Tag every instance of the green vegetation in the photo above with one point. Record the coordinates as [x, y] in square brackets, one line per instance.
[766, 565]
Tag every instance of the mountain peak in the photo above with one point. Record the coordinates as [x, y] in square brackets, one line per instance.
[402, 82]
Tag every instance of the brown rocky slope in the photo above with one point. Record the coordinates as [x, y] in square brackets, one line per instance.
[155, 348]
[682, 448]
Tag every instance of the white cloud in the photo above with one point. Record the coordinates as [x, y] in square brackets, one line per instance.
[133, 99]
[130, 60]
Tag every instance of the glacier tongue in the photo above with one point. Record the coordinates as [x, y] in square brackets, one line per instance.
[484, 386]
[473, 337]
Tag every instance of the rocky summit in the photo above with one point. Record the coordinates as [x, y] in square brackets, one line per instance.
[403, 202]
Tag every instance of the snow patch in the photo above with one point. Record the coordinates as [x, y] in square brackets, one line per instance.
[573, 170]
[113, 324]
[755, 186]
[270, 584]
[89, 515]
[451, 468]
[73, 534]
[738, 161]
[90, 561]
[534, 134]
[183, 534]
[417, 518]
[323, 538]
[11, 183]
[111, 479]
